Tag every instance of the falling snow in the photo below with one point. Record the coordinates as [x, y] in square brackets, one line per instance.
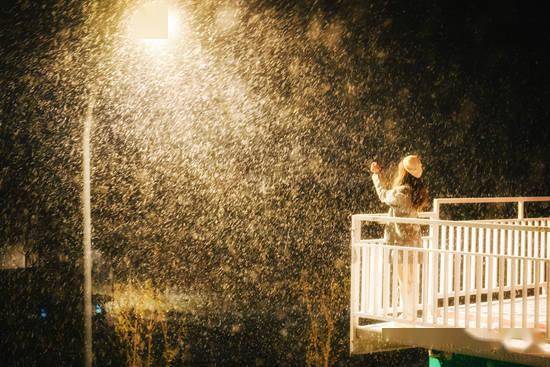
[228, 158]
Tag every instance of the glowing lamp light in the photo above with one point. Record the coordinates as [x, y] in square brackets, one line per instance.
[150, 21]
[156, 24]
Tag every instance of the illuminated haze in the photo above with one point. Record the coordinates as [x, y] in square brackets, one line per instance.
[228, 157]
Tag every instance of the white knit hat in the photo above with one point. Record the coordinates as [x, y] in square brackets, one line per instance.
[412, 164]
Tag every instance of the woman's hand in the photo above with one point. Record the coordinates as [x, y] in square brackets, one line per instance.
[375, 168]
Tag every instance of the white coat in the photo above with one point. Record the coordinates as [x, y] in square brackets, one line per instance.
[400, 202]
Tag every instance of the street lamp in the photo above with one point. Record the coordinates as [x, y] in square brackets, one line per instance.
[150, 22]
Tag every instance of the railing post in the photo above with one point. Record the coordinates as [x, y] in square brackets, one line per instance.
[354, 286]
[434, 228]
[521, 209]
[433, 244]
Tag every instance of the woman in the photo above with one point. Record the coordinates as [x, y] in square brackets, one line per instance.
[406, 198]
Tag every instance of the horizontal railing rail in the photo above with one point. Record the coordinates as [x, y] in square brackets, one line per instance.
[488, 200]
[381, 242]
[511, 220]
[485, 200]
[385, 219]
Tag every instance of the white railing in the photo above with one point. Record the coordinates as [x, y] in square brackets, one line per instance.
[491, 274]
[437, 203]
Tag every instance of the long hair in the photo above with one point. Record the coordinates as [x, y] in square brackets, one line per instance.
[419, 192]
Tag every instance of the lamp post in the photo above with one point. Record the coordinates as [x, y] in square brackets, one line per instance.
[149, 22]
[87, 230]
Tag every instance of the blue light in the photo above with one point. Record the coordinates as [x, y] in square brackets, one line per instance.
[43, 313]
[98, 309]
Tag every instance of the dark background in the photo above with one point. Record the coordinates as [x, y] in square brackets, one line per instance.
[266, 215]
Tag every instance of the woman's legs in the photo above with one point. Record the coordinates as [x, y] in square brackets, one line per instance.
[406, 289]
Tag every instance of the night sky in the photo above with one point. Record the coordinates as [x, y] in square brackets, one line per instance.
[231, 166]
